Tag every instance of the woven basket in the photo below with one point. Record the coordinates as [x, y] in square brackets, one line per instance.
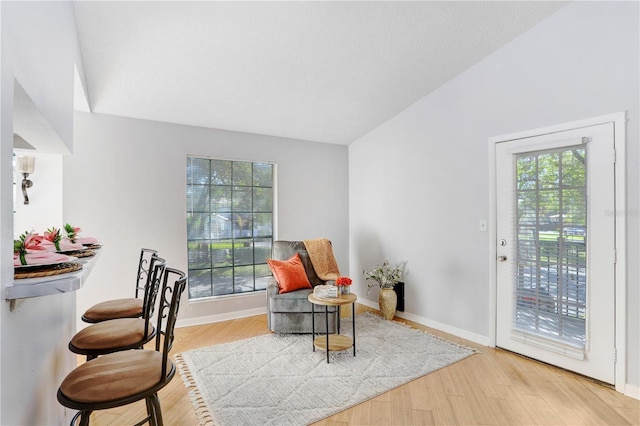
[81, 253]
[46, 270]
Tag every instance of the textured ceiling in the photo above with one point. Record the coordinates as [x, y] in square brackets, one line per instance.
[321, 71]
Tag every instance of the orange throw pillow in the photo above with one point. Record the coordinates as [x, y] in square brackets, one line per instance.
[290, 274]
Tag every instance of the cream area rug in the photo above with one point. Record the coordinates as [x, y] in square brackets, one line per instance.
[278, 380]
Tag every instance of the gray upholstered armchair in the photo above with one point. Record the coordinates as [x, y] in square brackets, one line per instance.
[291, 312]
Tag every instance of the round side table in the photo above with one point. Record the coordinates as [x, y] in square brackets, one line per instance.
[333, 342]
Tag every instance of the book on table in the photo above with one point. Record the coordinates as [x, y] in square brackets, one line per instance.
[325, 291]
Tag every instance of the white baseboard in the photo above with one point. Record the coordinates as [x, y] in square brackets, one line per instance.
[368, 303]
[220, 317]
[458, 332]
[464, 334]
[632, 391]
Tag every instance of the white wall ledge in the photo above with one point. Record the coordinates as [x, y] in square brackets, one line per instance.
[47, 286]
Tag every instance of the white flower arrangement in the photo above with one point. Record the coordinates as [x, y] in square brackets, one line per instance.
[385, 275]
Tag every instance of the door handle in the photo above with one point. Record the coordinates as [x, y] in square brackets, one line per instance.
[502, 258]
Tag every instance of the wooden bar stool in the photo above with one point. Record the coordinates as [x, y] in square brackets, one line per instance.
[121, 378]
[122, 333]
[128, 307]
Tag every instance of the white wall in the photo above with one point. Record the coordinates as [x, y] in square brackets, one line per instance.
[39, 48]
[419, 183]
[126, 185]
[45, 195]
[44, 47]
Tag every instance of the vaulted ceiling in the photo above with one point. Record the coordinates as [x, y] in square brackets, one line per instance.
[327, 71]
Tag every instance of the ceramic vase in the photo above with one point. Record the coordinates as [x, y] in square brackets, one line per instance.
[388, 300]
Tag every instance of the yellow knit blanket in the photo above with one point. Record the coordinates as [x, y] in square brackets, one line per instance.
[322, 259]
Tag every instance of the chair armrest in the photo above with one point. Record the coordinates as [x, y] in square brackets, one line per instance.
[272, 289]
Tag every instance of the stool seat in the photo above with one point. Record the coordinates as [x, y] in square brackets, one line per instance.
[112, 335]
[126, 307]
[115, 377]
[112, 309]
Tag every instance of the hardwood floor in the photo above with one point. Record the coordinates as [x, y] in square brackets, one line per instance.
[492, 387]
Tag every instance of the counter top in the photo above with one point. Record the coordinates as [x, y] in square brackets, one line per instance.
[56, 284]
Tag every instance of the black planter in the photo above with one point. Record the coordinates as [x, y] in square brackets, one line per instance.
[399, 288]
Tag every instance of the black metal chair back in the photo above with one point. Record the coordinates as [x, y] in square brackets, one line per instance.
[168, 308]
[157, 266]
[144, 269]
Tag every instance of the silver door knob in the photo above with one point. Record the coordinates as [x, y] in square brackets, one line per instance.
[502, 258]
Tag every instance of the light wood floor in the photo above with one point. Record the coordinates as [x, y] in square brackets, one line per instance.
[492, 387]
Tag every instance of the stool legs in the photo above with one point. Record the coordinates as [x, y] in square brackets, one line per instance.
[326, 320]
[83, 416]
[156, 418]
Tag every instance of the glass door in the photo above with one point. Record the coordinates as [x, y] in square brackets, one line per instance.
[555, 269]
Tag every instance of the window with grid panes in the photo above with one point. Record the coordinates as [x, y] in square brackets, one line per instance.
[229, 226]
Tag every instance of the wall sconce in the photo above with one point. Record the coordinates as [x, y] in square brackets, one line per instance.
[26, 165]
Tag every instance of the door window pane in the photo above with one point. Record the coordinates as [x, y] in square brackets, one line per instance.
[551, 244]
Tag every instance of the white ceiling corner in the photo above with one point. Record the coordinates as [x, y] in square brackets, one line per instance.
[80, 98]
[320, 71]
